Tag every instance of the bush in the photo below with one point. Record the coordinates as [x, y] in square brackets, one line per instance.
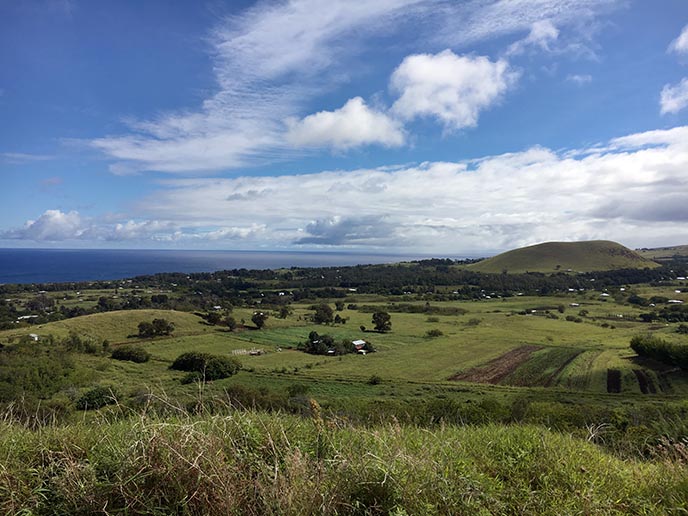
[374, 380]
[163, 327]
[259, 318]
[146, 330]
[131, 354]
[434, 333]
[156, 328]
[210, 367]
[79, 345]
[96, 398]
[323, 314]
[661, 350]
[382, 322]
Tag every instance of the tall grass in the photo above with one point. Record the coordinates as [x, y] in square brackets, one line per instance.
[246, 462]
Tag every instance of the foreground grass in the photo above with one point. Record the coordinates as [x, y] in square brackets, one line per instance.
[256, 463]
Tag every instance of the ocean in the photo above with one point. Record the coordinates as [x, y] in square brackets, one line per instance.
[64, 265]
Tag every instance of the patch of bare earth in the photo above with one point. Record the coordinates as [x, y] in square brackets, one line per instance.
[498, 368]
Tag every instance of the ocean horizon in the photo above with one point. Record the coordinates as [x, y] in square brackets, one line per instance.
[28, 265]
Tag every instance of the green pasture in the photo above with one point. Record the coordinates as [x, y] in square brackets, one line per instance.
[570, 356]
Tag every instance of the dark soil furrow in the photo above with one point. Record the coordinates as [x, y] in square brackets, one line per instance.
[497, 369]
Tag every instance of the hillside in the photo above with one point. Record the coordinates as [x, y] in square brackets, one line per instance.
[596, 255]
[115, 326]
[663, 253]
[252, 463]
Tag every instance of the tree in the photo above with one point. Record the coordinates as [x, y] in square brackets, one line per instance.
[146, 329]
[323, 314]
[382, 322]
[259, 319]
[163, 326]
[339, 305]
[157, 327]
[284, 312]
[213, 318]
[230, 322]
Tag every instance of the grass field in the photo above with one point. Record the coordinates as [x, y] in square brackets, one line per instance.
[484, 349]
[261, 464]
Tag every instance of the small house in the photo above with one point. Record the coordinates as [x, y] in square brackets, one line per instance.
[359, 344]
[34, 337]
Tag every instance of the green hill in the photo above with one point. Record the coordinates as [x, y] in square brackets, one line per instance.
[114, 326]
[663, 253]
[596, 255]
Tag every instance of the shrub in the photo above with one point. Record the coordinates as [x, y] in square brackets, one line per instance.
[382, 322]
[259, 318]
[146, 329]
[374, 380]
[659, 349]
[162, 326]
[96, 398]
[131, 354]
[434, 333]
[297, 390]
[323, 314]
[210, 367]
[230, 322]
[79, 345]
[155, 328]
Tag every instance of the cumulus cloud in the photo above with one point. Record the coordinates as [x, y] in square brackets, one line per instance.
[53, 225]
[273, 59]
[454, 89]
[680, 44]
[674, 97]
[360, 231]
[628, 189]
[542, 35]
[58, 226]
[353, 125]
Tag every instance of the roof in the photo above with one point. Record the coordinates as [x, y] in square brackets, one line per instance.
[359, 342]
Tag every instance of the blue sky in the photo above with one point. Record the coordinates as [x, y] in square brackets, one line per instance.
[423, 126]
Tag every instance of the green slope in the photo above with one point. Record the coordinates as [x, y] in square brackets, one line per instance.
[664, 253]
[114, 326]
[596, 255]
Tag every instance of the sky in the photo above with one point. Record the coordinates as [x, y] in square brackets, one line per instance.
[447, 128]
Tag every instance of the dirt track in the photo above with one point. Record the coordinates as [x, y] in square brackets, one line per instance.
[497, 369]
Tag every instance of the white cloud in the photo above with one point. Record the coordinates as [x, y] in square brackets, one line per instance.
[674, 97]
[680, 44]
[451, 88]
[630, 189]
[578, 79]
[353, 125]
[58, 226]
[268, 61]
[274, 59]
[542, 35]
[53, 225]
[18, 158]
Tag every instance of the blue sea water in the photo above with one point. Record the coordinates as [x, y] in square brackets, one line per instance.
[64, 265]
